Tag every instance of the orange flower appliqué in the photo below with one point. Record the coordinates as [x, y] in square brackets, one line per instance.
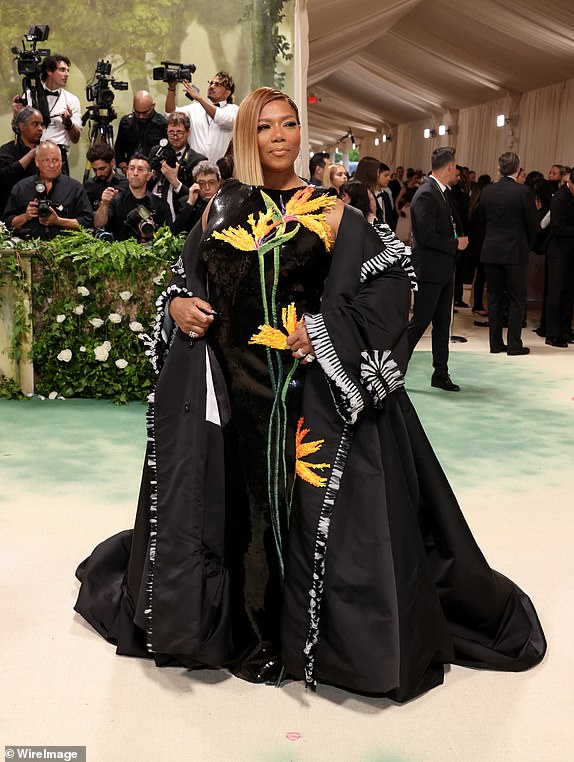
[302, 449]
[273, 337]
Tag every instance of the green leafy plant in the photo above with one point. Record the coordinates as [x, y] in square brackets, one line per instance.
[92, 301]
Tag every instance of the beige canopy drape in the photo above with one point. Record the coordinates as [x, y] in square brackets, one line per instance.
[400, 66]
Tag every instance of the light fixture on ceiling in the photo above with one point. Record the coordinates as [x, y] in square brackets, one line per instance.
[429, 133]
[500, 120]
[443, 129]
[377, 141]
[386, 138]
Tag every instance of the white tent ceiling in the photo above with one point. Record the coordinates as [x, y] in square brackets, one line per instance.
[377, 63]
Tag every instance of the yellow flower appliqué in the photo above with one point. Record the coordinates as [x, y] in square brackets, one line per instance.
[269, 228]
[302, 449]
[273, 337]
[301, 206]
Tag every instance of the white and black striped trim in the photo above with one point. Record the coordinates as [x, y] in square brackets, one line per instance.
[346, 394]
[380, 375]
[394, 253]
[164, 328]
[320, 554]
[178, 268]
[152, 464]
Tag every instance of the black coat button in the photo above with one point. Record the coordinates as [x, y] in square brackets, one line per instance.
[187, 407]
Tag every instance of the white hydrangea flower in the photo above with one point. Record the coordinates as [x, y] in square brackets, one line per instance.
[79, 309]
[107, 345]
[101, 352]
[158, 280]
[53, 395]
[113, 317]
[121, 363]
[60, 318]
[82, 349]
[136, 327]
[125, 295]
[83, 291]
[96, 322]
[65, 355]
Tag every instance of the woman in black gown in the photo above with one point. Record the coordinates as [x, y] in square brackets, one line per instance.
[292, 516]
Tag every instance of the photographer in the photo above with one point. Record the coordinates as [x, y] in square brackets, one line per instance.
[17, 156]
[211, 119]
[117, 208]
[102, 158]
[139, 131]
[173, 164]
[43, 205]
[63, 107]
[207, 180]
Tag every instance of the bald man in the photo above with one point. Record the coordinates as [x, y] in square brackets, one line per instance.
[139, 131]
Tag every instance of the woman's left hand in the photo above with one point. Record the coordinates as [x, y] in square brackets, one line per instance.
[300, 345]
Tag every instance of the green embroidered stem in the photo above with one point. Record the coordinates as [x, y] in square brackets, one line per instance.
[284, 433]
[276, 251]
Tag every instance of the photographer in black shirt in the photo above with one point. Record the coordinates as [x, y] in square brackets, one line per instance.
[43, 205]
[139, 131]
[134, 212]
[173, 164]
[102, 158]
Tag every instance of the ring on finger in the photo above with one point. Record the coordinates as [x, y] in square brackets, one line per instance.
[310, 358]
[300, 354]
[193, 335]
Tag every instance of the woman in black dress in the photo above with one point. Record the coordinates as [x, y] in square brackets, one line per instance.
[293, 518]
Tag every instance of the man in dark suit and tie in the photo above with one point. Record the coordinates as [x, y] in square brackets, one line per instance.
[435, 244]
[385, 211]
[508, 210]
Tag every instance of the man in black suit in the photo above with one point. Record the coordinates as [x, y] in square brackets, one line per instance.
[435, 244]
[560, 261]
[385, 206]
[508, 210]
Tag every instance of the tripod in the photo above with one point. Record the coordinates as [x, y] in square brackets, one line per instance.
[101, 129]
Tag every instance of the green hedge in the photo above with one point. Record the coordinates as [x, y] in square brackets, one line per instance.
[90, 302]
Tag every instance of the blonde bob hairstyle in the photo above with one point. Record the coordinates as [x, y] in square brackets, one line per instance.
[245, 149]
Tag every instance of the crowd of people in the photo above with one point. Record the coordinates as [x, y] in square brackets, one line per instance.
[465, 229]
[162, 169]
[165, 167]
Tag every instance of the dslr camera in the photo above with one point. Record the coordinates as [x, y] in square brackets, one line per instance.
[169, 71]
[44, 206]
[141, 221]
[164, 153]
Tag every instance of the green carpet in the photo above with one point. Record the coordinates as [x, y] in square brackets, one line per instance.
[509, 421]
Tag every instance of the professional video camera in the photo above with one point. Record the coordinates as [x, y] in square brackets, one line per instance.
[29, 60]
[142, 222]
[169, 71]
[44, 206]
[99, 92]
[165, 152]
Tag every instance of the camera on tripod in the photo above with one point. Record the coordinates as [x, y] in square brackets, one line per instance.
[29, 68]
[166, 153]
[99, 92]
[142, 221]
[29, 60]
[44, 206]
[169, 71]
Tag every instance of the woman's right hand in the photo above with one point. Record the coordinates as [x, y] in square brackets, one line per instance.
[191, 314]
